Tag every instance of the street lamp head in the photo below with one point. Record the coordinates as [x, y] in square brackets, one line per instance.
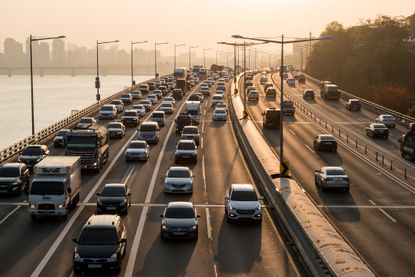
[237, 36]
[61, 37]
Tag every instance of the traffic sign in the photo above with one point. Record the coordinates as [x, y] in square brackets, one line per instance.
[284, 169]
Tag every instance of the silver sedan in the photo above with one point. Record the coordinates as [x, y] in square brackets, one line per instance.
[332, 177]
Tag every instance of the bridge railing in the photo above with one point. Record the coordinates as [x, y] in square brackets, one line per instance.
[46, 133]
[378, 109]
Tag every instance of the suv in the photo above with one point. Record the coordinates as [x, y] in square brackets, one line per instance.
[130, 118]
[253, 95]
[85, 123]
[159, 117]
[114, 198]
[102, 244]
[387, 119]
[126, 98]
[33, 154]
[288, 107]
[149, 131]
[183, 119]
[353, 105]
[108, 111]
[243, 203]
[308, 94]
[186, 150]
[60, 138]
[14, 178]
[325, 142]
[191, 132]
[271, 118]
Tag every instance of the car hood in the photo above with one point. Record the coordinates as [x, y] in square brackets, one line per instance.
[8, 179]
[96, 251]
[180, 151]
[184, 136]
[105, 199]
[114, 130]
[179, 222]
[177, 181]
[245, 205]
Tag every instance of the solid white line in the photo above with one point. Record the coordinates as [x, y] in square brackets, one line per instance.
[385, 213]
[75, 216]
[137, 238]
[309, 148]
[201, 142]
[9, 214]
[291, 130]
[209, 226]
[204, 172]
[215, 269]
[364, 207]
[129, 174]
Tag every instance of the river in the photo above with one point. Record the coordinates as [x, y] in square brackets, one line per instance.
[54, 99]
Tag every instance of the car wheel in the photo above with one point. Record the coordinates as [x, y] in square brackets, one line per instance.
[346, 189]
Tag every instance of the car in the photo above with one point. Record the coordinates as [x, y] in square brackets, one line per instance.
[164, 89]
[205, 91]
[102, 244]
[119, 104]
[14, 178]
[149, 131]
[108, 111]
[130, 118]
[377, 130]
[308, 94]
[332, 177]
[60, 139]
[116, 129]
[182, 120]
[158, 93]
[291, 82]
[144, 88]
[151, 86]
[191, 132]
[186, 150]
[249, 89]
[387, 119]
[325, 142]
[353, 105]
[179, 220]
[170, 100]
[220, 92]
[271, 118]
[220, 114]
[159, 117]
[126, 98]
[146, 103]
[137, 150]
[196, 97]
[178, 179]
[136, 94]
[253, 95]
[153, 98]
[114, 198]
[85, 123]
[167, 107]
[33, 154]
[216, 98]
[141, 110]
[243, 204]
[221, 105]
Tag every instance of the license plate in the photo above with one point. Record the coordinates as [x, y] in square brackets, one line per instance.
[94, 266]
[111, 208]
[178, 233]
[3, 190]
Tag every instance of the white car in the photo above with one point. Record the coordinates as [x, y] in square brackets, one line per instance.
[116, 129]
[137, 150]
[108, 111]
[217, 98]
[167, 107]
[119, 104]
[170, 100]
[153, 98]
[186, 150]
[140, 109]
[146, 103]
[387, 119]
[136, 94]
[332, 177]
[243, 203]
[85, 122]
[178, 179]
[220, 114]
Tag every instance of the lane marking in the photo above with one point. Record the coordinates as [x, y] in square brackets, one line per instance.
[365, 207]
[215, 269]
[9, 214]
[128, 175]
[204, 172]
[201, 142]
[292, 132]
[309, 148]
[385, 213]
[208, 224]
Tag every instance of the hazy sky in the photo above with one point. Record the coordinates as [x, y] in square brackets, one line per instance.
[193, 22]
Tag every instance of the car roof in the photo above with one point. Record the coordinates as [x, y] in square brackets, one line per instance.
[186, 141]
[103, 220]
[190, 127]
[333, 168]
[326, 136]
[180, 204]
[220, 109]
[179, 168]
[115, 185]
[243, 187]
[149, 123]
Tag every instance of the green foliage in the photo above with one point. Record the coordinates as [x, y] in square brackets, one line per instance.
[373, 56]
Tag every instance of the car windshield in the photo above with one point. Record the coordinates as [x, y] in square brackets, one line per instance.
[137, 145]
[147, 128]
[193, 112]
[62, 133]
[379, 126]
[32, 151]
[98, 236]
[9, 171]
[220, 111]
[125, 96]
[110, 191]
[106, 108]
[190, 131]
[114, 125]
[388, 117]
[335, 171]
[178, 174]
[86, 120]
[116, 102]
[186, 146]
[144, 102]
[327, 138]
[46, 188]
[244, 196]
[179, 213]
[158, 115]
[166, 105]
[168, 99]
[137, 107]
[130, 114]
[75, 141]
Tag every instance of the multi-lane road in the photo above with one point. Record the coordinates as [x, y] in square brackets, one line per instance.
[376, 216]
[45, 247]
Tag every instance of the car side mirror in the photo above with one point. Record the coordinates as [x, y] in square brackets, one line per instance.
[69, 190]
[226, 197]
[262, 113]
[75, 240]
[123, 240]
[161, 215]
[129, 194]
[198, 215]
[98, 194]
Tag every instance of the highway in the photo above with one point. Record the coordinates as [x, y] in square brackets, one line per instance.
[45, 248]
[376, 216]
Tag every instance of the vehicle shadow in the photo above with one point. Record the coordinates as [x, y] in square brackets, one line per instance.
[236, 254]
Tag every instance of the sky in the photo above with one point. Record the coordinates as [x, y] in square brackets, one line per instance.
[199, 23]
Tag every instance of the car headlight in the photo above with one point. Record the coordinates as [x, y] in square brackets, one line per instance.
[16, 182]
[60, 206]
[164, 227]
[194, 227]
[32, 205]
[99, 203]
[77, 257]
[113, 258]
[231, 207]
[124, 202]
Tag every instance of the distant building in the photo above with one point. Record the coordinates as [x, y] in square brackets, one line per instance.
[13, 53]
[58, 52]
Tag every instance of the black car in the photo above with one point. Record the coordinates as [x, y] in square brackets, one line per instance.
[60, 138]
[377, 130]
[353, 105]
[325, 142]
[101, 245]
[179, 220]
[14, 178]
[271, 118]
[33, 154]
[183, 119]
[114, 198]
[308, 94]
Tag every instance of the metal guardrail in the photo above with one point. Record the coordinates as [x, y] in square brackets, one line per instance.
[46, 133]
[378, 109]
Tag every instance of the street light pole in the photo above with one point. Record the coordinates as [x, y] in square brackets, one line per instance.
[176, 45]
[31, 39]
[97, 82]
[132, 60]
[155, 56]
[190, 53]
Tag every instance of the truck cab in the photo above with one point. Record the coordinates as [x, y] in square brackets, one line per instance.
[271, 118]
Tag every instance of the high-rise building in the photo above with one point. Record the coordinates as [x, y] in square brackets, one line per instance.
[58, 52]
[13, 53]
[42, 54]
